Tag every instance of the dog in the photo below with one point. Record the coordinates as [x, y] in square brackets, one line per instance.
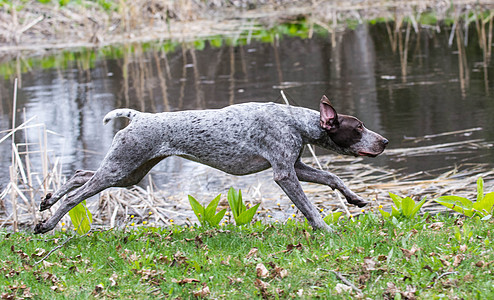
[239, 139]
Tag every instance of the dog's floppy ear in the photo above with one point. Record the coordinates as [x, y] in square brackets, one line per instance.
[329, 117]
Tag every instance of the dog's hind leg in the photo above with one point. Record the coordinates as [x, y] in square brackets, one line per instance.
[90, 188]
[309, 174]
[80, 177]
[103, 178]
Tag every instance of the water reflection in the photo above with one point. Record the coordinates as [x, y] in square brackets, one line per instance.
[399, 81]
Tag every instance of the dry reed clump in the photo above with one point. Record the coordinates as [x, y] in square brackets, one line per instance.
[35, 26]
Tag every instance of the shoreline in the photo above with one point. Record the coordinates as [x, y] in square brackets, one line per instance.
[41, 27]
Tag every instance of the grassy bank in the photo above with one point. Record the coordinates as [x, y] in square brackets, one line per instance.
[39, 25]
[422, 258]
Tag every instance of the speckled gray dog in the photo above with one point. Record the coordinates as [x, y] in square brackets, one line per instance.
[239, 139]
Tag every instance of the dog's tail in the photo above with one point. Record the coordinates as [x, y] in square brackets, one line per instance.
[121, 112]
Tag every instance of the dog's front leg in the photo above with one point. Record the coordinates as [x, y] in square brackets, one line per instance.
[309, 174]
[287, 180]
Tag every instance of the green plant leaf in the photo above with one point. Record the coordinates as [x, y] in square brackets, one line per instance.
[457, 234]
[418, 206]
[394, 212]
[396, 199]
[386, 215]
[486, 205]
[216, 219]
[235, 201]
[210, 210]
[246, 216]
[81, 218]
[197, 208]
[333, 217]
[456, 203]
[407, 206]
[232, 201]
[480, 189]
[216, 42]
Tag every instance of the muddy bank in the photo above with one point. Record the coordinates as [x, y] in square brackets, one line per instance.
[38, 27]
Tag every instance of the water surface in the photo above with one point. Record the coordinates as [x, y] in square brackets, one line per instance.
[434, 88]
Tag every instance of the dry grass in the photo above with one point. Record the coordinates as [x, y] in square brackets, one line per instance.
[35, 26]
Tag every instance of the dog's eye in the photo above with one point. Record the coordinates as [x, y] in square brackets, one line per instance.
[360, 127]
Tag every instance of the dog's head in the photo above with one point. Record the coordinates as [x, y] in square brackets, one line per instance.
[349, 133]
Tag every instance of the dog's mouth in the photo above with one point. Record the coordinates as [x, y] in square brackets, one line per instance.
[369, 154]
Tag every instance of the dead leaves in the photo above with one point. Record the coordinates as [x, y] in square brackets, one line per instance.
[252, 253]
[409, 253]
[262, 287]
[185, 280]
[17, 291]
[21, 253]
[276, 272]
[261, 271]
[203, 292]
[392, 291]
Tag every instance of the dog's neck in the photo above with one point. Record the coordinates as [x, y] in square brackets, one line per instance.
[312, 133]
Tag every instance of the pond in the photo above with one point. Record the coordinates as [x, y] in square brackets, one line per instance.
[404, 87]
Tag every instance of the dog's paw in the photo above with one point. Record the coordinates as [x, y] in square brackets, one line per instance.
[39, 228]
[357, 200]
[45, 203]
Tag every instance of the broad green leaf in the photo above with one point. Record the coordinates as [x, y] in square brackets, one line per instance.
[459, 204]
[394, 212]
[386, 215]
[333, 218]
[396, 199]
[233, 201]
[246, 216]
[197, 208]
[81, 218]
[480, 189]
[418, 206]
[407, 206]
[457, 234]
[241, 205]
[210, 210]
[486, 205]
[216, 219]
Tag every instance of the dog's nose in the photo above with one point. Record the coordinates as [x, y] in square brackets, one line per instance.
[385, 142]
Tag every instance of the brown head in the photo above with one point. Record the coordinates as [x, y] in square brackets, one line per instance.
[349, 132]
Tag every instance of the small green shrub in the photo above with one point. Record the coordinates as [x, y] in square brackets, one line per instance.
[207, 215]
[405, 207]
[241, 214]
[483, 207]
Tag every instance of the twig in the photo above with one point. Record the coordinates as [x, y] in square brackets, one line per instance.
[343, 279]
[444, 274]
[54, 249]
[13, 167]
[31, 24]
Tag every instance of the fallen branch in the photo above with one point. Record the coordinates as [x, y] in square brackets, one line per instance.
[343, 279]
[53, 250]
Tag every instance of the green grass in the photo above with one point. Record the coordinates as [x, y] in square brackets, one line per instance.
[385, 259]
